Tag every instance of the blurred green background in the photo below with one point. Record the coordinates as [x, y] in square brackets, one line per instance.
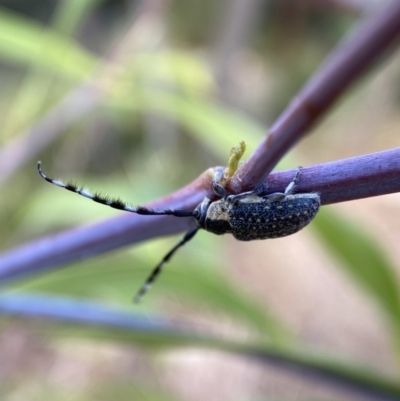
[136, 99]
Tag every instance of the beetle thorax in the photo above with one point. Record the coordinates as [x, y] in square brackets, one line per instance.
[214, 216]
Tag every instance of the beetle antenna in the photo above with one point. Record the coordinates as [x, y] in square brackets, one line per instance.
[114, 203]
[157, 270]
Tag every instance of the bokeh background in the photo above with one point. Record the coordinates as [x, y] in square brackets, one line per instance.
[137, 98]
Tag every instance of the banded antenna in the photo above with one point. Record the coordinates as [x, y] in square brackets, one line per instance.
[121, 205]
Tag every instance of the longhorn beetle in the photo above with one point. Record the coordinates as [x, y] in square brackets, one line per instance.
[247, 216]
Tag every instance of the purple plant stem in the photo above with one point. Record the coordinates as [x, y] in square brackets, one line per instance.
[355, 178]
[356, 54]
[88, 241]
[348, 179]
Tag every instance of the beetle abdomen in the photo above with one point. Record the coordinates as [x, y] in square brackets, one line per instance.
[262, 220]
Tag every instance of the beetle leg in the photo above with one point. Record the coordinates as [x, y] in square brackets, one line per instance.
[258, 191]
[218, 188]
[275, 197]
[290, 188]
[279, 196]
[238, 197]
